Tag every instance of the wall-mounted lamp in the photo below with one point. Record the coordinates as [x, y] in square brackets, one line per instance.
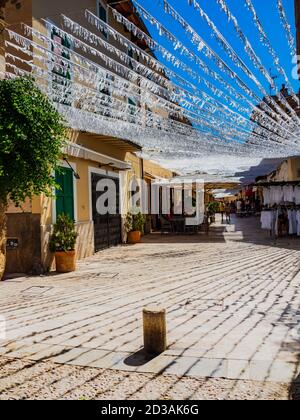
[76, 175]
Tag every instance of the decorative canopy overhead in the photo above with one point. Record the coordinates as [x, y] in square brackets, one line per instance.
[191, 98]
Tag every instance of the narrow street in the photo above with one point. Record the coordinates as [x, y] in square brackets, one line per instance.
[232, 302]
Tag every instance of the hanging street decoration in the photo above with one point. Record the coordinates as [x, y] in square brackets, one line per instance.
[179, 97]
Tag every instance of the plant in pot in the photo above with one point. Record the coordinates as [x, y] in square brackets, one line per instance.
[62, 244]
[134, 225]
[212, 209]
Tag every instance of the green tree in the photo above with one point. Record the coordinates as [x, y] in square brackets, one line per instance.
[31, 140]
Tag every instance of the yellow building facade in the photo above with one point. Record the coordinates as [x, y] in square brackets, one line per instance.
[86, 160]
[289, 170]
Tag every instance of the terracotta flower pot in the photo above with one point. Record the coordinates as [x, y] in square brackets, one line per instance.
[134, 237]
[65, 261]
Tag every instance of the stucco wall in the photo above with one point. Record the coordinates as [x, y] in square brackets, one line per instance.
[156, 170]
[95, 143]
[289, 170]
[84, 246]
[282, 172]
[16, 15]
[295, 169]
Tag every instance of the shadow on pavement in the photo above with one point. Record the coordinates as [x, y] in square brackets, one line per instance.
[139, 358]
[294, 393]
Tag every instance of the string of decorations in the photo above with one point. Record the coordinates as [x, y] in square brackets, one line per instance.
[264, 109]
[103, 27]
[266, 42]
[60, 95]
[51, 41]
[105, 99]
[197, 40]
[178, 115]
[183, 93]
[253, 56]
[287, 28]
[178, 47]
[41, 36]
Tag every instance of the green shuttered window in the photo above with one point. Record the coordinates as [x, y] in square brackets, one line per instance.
[102, 14]
[65, 195]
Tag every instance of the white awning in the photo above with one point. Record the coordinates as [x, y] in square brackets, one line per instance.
[77, 151]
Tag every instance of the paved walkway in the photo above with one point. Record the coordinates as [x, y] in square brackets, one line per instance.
[232, 301]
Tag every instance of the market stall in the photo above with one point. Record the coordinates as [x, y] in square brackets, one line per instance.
[281, 208]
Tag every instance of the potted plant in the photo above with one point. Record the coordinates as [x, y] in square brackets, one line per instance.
[134, 225]
[62, 244]
[212, 209]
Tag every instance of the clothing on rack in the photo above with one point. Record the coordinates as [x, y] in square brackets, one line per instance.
[276, 195]
[267, 196]
[297, 195]
[275, 220]
[293, 228]
[269, 220]
[298, 222]
[266, 220]
[288, 193]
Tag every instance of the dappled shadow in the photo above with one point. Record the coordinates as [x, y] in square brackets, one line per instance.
[252, 233]
[215, 235]
[223, 303]
[246, 230]
[294, 392]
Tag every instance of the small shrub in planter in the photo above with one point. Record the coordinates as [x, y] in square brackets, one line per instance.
[63, 243]
[135, 225]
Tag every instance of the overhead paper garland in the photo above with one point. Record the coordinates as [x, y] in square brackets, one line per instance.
[155, 64]
[287, 28]
[82, 120]
[87, 100]
[215, 127]
[195, 38]
[264, 105]
[107, 101]
[180, 48]
[90, 105]
[35, 32]
[265, 112]
[183, 50]
[195, 101]
[183, 94]
[144, 86]
[252, 55]
[266, 42]
[228, 48]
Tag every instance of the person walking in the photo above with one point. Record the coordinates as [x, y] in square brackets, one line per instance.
[238, 207]
[228, 213]
[222, 210]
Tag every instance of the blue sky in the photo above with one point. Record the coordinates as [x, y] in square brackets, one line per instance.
[268, 14]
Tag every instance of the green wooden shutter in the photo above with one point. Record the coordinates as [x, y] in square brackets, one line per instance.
[102, 13]
[65, 195]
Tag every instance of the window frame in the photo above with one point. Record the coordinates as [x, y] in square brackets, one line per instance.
[100, 3]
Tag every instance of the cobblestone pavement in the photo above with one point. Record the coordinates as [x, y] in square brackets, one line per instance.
[232, 301]
[20, 379]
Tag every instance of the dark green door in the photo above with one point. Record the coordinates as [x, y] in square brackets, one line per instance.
[65, 194]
